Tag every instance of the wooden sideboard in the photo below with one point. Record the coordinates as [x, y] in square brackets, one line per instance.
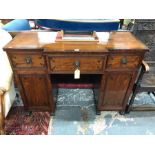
[41, 65]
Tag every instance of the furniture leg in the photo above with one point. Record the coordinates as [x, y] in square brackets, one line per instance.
[153, 93]
[128, 109]
[28, 113]
[122, 112]
[2, 119]
[52, 114]
[98, 112]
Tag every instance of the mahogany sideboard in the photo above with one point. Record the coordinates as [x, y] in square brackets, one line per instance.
[40, 65]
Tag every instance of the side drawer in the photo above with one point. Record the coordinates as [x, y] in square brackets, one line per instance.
[27, 60]
[123, 61]
[69, 64]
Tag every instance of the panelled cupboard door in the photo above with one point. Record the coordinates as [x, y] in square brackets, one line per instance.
[113, 91]
[35, 91]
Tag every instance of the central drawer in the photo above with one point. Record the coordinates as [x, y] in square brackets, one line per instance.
[69, 64]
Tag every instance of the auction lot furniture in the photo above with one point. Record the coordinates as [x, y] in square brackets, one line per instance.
[41, 63]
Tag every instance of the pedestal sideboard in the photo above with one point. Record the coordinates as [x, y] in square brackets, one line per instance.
[39, 66]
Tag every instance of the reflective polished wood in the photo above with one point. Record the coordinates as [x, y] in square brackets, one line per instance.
[38, 63]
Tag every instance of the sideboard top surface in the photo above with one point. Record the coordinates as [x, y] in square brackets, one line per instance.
[118, 40]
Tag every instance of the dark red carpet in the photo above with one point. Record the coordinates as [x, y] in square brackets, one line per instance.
[18, 122]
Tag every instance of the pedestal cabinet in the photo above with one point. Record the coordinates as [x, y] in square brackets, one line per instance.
[36, 92]
[115, 87]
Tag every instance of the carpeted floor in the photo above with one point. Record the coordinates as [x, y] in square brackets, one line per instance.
[75, 115]
[19, 122]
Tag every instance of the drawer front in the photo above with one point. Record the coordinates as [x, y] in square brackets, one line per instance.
[123, 62]
[86, 64]
[28, 60]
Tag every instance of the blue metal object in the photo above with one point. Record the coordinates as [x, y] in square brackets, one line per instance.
[17, 25]
[79, 25]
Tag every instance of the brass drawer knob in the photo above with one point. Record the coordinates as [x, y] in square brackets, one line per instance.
[77, 63]
[124, 60]
[28, 60]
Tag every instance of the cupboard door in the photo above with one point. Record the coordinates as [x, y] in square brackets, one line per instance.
[36, 92]
[113, 91]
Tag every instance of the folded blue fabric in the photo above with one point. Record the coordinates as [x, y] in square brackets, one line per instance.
[79, 25]
[17, 25]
